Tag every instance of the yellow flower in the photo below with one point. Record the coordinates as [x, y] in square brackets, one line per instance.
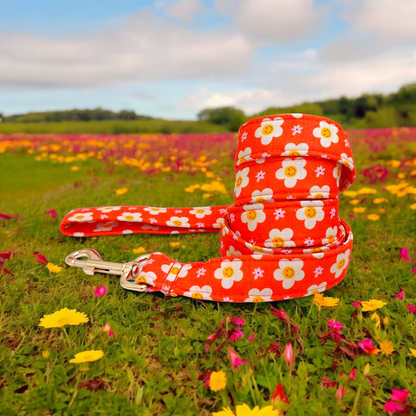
[359, 210]
[372, 305]
[401, 175]
[385, 321]
[74, 168]
[355, 201]
[380, 200]
[121, 191]
[205, 196]
[386, 347]
[174, 244]
[350, 193]
[382, 211]
[376, 318]
[63, 317]
[413, 352]
[45, 353]
[87, 356]
[395, 163]
[192, 188]
[320, 301]
[53, 268]
[373, 217]
[363, 191]
[139, 250]
[244, 410]
[217, 381]
[413, 206]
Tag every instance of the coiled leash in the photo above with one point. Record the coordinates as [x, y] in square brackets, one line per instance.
[281, 239]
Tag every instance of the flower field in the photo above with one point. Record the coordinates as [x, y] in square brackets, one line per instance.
[73, 344]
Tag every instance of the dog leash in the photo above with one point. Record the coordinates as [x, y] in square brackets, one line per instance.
[282, 238]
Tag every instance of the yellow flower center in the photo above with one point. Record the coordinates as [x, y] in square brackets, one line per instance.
[258, 299]
[174, 270]
[310, 212]
[267, 129]
[290, 171]
[177, 223]
[341, 264]
[331, 239]
[278, 242]
[200, 211]
[260, 199]
[251, 215]
[197, 296]
[141, 279]
[239, 181]
[346, 164]
[228, 272]
[318, 196]
[288, 272]
[326, 132]
[294, 153]
[129, 217]
[62, 321]
[79, 217]
[242, 160]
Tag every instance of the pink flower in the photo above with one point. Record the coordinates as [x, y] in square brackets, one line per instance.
[251, 337]
[237, 321]
[399, 395]
[400, 295]
[411, 309]
[414, 270]
[6, 255]
[356, 304]
[328, 383]
[5, 271]
[404, 255]
[207, 347]
[336, 325]
[6, 217]
[41, 259]
[100, 291]
[352, 375]
[52, 212]
[391, 407]
[279, 394]
[111, 333]
[107, 327]
[367, 347]
[236, 334]
[235, 360]
[279, 314]
[288, 353]
[339, 394]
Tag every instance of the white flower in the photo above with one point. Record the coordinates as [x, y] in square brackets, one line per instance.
[348, 162]
[244, 156]
[280, 239]
[108, 226]
[262, 196]
[289, 272]
[311, 212]
[79, 234]
[232, 252]
[128, 231]
[200, 212]
[178, 270]
[337, 173]
[241, 180]
[130, 217]
[291, 171]
[219, 223]
[341, 263]
[291, 149]
[327, 133]
[150, 227]
[197, 292]
[256, 295]
[229, 272]
[146, 277]
[297, 115]
[315, 288]
[108, 209]
[331, 234]
[319, 193]
[82, 217]
[155, 211]
[252, 215]
[269, 129]
[178, 222]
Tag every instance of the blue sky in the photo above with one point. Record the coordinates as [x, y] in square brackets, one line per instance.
[173, 58]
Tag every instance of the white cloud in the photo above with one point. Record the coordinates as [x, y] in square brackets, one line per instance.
[143, 48]
[391, 20]
[184, 10]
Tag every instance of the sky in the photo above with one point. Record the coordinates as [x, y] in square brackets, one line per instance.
[174, 58]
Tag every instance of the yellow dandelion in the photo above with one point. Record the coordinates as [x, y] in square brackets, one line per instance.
[217, 381]
[244, 410]
[413, 352]
[121, 191]
[74, 168]
[380, 200]
[382, 211]
[372, 305]
[359, 210]
[350, 193]
[376, 318]
[205, 196]
[385, 321]
[401, 175]
[355, 201]
[365, 191]
[63, 317]
[139, 250]
[53, 268]
[413, 173]
[413, 206]
[319, 300]
[87, 356]
[386, 347]
[174, 244]
[394, 163]
[373, 217]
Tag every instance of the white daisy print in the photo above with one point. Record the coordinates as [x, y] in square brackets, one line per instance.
[348, 162]
[262, 196]
[82, 217]
[327, 133]
[232, 252]
[269, 129]
[155, 211]
[178, 270]
[244, 156]
[317, 192]
[178, 222]
[341, 263]
[219, 223]
[280, 239]
[289, 272]
[241, 180]
[108, 209]
[297, 115]
[291, 149]
[197, 292]
[331, 235]
[292, 171]
[316, 288]
[252, 215]
[311, 212]
[150, 227]
[130, 217]
[147, 278]
[256, 295]
[229, 272]
[107, 226]
[200, 212]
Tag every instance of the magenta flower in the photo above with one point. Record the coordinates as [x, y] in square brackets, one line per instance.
[237, 321]
[352, 375]
[235, 360]
[6, 217]
[100, 291]
[356, 304]
[404, 255]
[251, 337]
[279, 314]
[288, 353]
[328, 383]
[414, 270]
[6, 255]
[52, 213]
[367, 346]
[5, 271]
[336, 325]
[400, 295]
[391, 407]
[411, 309]
[339, 394]
[41, 259]
[236, 334]
[399, 395]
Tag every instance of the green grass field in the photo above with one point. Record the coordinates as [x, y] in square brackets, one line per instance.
[157, 360]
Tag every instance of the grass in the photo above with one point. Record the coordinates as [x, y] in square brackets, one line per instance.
[156, 362]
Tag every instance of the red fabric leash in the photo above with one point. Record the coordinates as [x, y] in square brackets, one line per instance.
[281, 239]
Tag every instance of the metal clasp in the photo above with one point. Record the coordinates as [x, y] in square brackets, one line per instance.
[91, 262]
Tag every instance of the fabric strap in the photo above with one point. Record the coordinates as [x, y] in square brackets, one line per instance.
[281, 239]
